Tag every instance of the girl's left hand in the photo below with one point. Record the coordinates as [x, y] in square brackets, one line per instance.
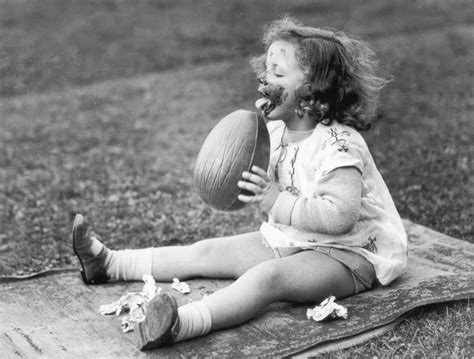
[265, 191]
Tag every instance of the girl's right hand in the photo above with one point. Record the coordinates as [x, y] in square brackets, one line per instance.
[259, 183]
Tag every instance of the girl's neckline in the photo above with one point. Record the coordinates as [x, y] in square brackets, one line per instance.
[290, 136]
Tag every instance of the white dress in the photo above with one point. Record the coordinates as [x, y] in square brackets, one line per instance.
[378, 235]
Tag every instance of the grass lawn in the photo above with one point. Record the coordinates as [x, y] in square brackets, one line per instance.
[105, 104]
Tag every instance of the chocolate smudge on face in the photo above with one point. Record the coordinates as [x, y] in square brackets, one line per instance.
[274, 93]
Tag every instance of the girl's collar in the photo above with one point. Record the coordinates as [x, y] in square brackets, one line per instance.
[290, 136]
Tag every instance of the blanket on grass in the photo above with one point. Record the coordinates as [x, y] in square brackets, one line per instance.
[57, 315]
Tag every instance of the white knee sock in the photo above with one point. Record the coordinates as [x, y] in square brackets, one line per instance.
[129, 264]
[195, 320]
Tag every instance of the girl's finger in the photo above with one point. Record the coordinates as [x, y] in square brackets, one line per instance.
[247, 199]
[260, 172]
[254, 178]
[250, 187]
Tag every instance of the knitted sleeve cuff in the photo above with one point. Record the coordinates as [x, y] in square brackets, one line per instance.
[269, 198]
[283, 208]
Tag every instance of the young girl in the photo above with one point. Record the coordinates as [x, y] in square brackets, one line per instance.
[332, 225]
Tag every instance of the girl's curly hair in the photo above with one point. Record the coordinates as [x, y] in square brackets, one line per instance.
[342, 81]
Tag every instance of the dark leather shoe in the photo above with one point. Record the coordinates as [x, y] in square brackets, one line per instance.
[161, 324]
[93, 271]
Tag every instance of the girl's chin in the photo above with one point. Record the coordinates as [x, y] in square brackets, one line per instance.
[278, 113]
[272, 116]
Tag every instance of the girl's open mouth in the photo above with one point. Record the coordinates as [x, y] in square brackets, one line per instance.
[263, 104]
[272, 97]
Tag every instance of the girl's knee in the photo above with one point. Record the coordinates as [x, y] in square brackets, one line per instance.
[201, 250]
[270, 277]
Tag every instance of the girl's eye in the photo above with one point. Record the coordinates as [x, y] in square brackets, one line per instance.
[271, 72]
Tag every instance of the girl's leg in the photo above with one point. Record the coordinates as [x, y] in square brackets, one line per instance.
[227, 257]
[305, 277]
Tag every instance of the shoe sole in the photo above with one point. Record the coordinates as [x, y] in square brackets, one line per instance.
[156, 330]
[76, 224]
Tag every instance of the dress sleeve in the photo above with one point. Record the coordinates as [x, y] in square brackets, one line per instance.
[340, 147]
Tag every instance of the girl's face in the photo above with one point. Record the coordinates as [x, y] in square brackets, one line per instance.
[282, 78]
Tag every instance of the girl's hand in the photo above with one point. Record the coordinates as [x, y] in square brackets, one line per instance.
[265, 191]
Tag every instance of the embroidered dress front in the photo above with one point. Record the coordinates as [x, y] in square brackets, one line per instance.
[378, 235]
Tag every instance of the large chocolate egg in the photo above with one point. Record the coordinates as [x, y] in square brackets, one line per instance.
[239, 141]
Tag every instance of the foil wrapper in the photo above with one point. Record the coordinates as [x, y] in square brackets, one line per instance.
[328, 309]
[181, 287]
[135, 303]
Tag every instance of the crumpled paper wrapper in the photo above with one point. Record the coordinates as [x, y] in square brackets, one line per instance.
[134, 302]
[328, 309]
[181, 287]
